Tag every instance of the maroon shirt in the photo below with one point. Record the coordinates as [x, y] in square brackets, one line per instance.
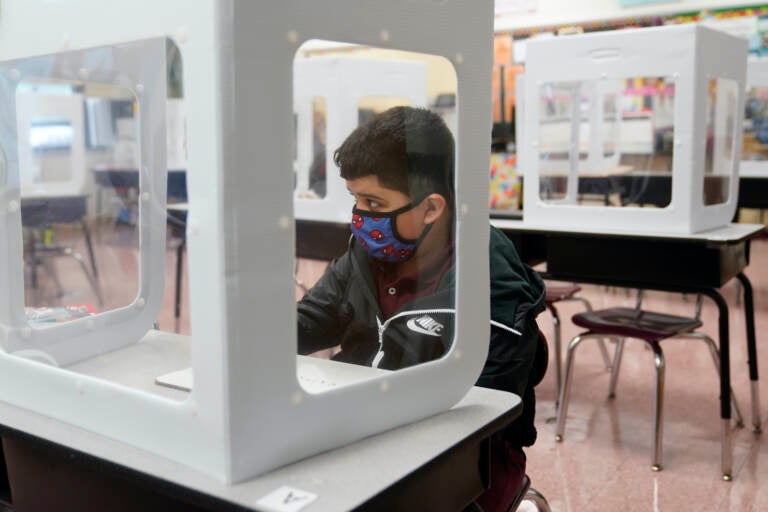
[394, 289]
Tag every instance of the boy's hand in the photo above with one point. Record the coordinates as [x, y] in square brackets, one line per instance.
[358, 343]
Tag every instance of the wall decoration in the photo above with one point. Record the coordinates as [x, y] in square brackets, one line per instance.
[502, 7]
[629, 3]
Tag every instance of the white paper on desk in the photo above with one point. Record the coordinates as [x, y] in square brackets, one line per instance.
[182, 379]
[315, 375]
[286, 499]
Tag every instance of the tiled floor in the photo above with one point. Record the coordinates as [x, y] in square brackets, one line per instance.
[604, 462]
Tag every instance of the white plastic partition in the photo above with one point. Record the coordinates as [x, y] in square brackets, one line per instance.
[755, 163]
[136, 66]
[696, 59]
[341, 82]
[247, 412]
[587, 133]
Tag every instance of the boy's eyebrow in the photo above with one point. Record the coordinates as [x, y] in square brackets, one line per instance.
[367, 195]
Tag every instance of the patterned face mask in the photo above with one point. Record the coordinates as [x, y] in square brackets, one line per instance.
[376, 232]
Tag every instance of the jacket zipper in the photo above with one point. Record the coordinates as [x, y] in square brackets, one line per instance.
[382, 326]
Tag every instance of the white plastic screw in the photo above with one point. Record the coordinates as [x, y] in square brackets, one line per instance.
[292, 36]
[140, 302]
[384, 35]
[182, 35]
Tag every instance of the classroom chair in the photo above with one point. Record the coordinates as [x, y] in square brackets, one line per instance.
[38, 216]
[565, 292]
[650, 327]
[528, 493]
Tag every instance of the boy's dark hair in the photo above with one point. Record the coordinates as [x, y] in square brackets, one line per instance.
[409, 149]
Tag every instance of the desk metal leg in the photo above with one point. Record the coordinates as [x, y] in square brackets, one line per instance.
[749, 313]
[725, 383]
[179, 267]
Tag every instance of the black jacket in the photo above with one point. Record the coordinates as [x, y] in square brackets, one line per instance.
[342, 308]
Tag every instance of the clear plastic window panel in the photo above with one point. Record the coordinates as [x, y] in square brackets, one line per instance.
[310, 154]
[722, 97]
[369, 106]
[755, 144]
[72, 135]
[563, 108]
[607, 142]
[387, 134]
[72, 138]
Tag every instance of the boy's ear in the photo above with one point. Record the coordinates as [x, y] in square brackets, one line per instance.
[436, 206]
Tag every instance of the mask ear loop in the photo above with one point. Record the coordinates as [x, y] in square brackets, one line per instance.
[417, 241]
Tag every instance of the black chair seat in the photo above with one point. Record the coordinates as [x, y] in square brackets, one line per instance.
[636, 323]
[560, 291]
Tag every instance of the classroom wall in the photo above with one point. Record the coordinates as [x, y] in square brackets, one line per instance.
[564, 12]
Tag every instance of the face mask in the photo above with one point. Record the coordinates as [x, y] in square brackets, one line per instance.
[376, 232]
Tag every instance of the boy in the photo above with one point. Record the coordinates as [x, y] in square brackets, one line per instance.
[388, 300]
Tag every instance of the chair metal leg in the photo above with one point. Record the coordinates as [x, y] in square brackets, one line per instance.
[538, 500]
[601, 342]
[658, 407]
[738, 418]
[89, 246]
[557, 355]
[615, 368]
[565, 390]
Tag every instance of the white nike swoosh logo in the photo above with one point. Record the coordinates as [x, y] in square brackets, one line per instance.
[415, 327]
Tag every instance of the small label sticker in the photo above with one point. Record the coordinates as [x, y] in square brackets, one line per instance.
[287, 499]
